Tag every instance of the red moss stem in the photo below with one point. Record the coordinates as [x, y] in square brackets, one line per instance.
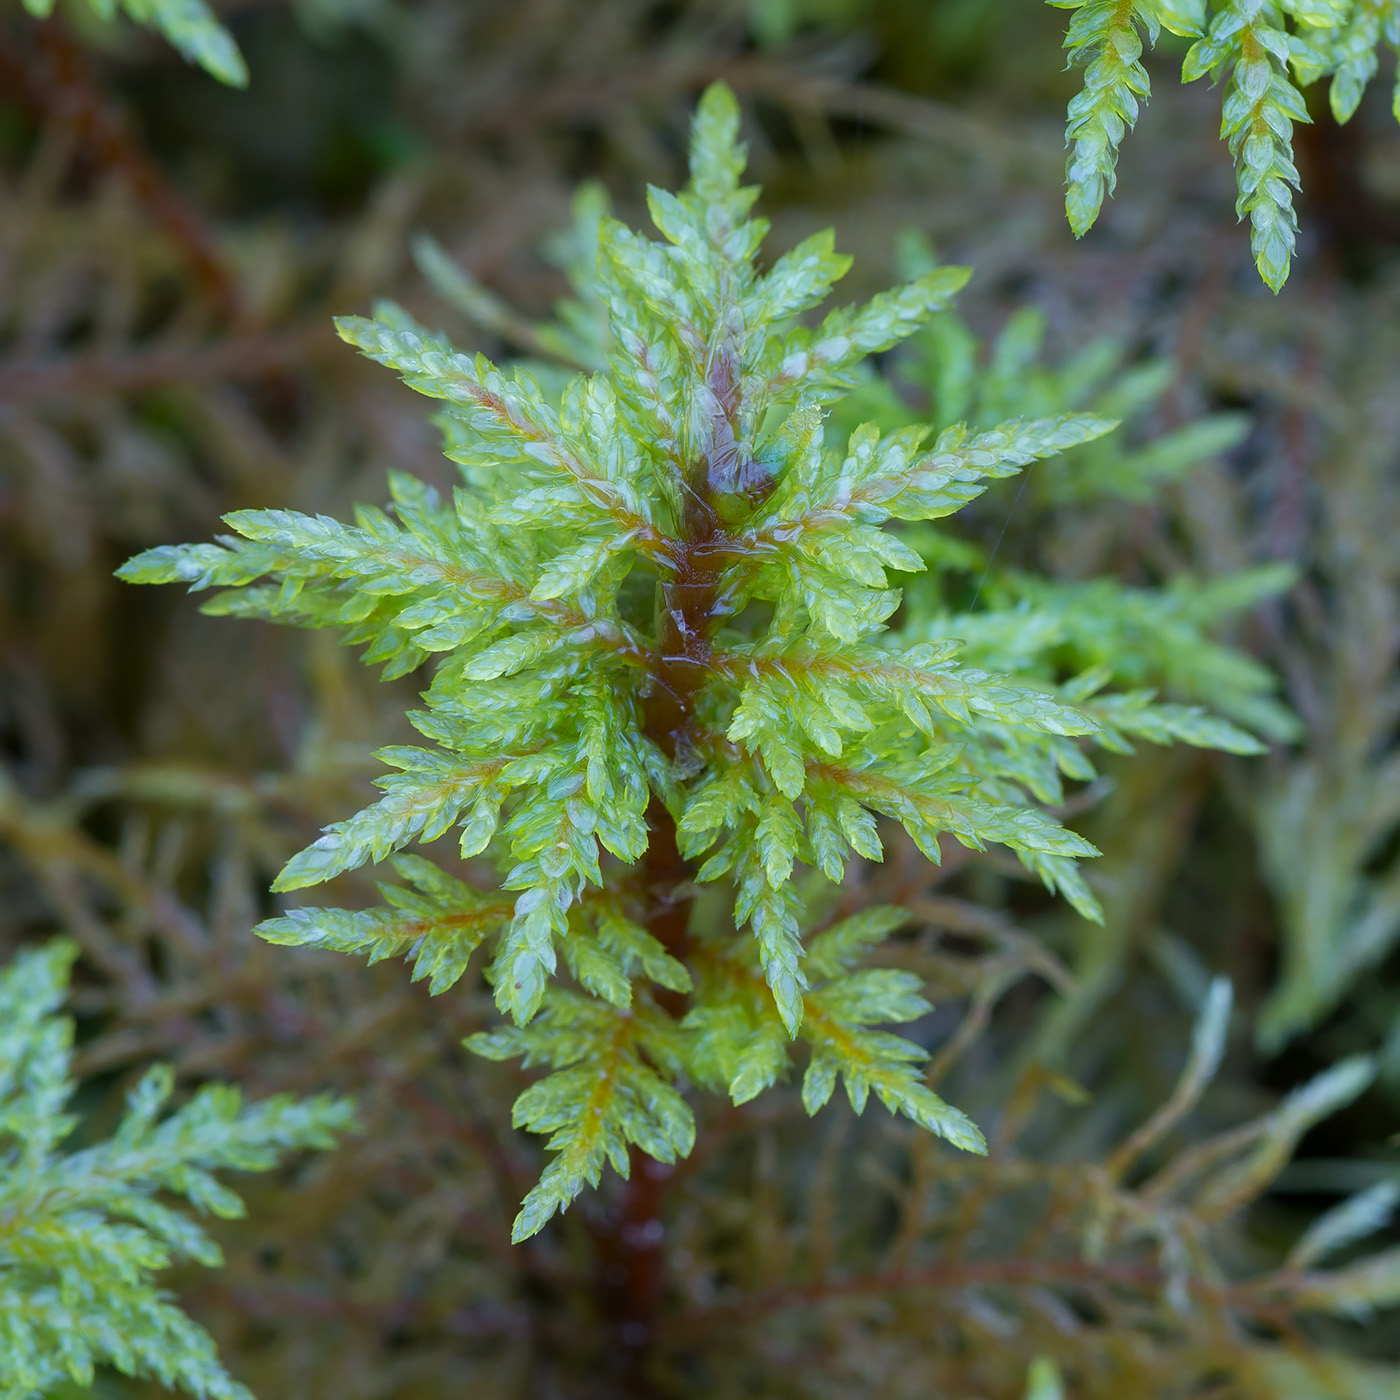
[632, 1245]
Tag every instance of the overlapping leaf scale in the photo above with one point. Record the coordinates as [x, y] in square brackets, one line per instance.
[837, 1026]
[719, 802]
[797, 711]
[427, 796]
[514, 698]
[928, 795]
[1133, 637]
[589, 786]
[537, 721]
[817, 365]
[714, 241]
[1353, 47]
[508, 413]
[647, 379]
[798, 707]
[839, 947]
[228, 564]
[426, 584]
[512, 422]
[815, 536]
[618, 764]
[1104, 37]
[1266, 50]
[1007, 762]
[711, 252]
[930, 792]
[640, 281]
[311, 593]
[741, 1042]
[805, 698]
[837, 824]
[764, 837]
[439, 924]
[654, 327]
[594, 468]
[977, 797]
[35, 1050]
[738, 1043]
[766, 900]
[800, 279]
[1248, 38]
[603, 1094]
[1186, 18]
[717, 156]
[606, 952]
[431, 578]
[50, 1337]
[1139, 714]
[696, 290]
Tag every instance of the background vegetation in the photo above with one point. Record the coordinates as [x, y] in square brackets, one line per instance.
[171, 252]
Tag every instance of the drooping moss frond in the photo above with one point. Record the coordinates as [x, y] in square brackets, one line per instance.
[1264, 52]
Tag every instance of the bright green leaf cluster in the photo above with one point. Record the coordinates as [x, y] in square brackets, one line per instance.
[1075, 638]
[1266, 50]
[1103, 36]
[656, 621]
[944, 375]
[605, 1093]
[82, 1234]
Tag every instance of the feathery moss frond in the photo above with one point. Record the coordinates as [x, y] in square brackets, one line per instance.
[658, 617]
[82, 1234]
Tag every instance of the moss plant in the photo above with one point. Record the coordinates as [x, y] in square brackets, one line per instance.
[673, 693]
[83, 1233]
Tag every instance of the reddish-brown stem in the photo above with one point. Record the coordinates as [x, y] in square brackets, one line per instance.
[632, 1273]
[683, 641]
[665, 877]
[631, 1244]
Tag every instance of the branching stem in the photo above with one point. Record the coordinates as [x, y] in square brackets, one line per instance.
[631, 1246]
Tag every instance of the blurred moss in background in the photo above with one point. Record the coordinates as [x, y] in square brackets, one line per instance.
[171, 251]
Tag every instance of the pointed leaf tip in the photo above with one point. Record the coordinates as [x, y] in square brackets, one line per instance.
[717, 158]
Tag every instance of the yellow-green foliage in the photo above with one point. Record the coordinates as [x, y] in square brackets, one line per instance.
[1264, 51]
[1083, 633]
[659, 617]
[82, 1234]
